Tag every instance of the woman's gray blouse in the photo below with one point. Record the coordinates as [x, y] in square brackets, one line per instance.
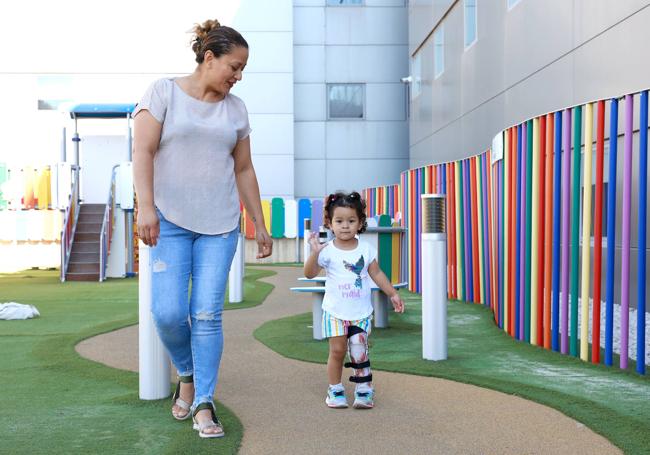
[194, 179]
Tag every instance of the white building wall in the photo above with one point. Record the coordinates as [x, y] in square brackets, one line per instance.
[349, 44]
[112, 52]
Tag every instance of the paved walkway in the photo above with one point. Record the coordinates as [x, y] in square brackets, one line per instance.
[281, 401]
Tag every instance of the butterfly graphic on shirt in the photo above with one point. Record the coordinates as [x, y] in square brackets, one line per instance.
[356, 269]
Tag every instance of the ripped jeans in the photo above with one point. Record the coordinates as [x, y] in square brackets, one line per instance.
[190, 326]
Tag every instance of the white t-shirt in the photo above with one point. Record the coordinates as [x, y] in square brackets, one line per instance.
[348, 285]
[194, 172]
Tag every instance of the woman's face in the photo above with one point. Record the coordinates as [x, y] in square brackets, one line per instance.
[226, 71]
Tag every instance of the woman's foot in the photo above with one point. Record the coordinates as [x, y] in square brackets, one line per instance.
[209, 426]
[183, 400]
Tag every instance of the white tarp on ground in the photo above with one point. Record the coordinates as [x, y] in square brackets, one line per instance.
[13, 310]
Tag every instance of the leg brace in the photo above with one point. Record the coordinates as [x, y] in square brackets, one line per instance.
[358, 351]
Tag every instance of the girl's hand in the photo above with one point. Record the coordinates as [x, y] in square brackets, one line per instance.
[264, 242]
[314, 244]
[397, 302]
[148, 225]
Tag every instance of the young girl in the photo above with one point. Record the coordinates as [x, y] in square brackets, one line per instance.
[347, 308]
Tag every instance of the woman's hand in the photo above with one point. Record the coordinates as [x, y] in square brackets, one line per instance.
[397, 302]
[148, 225]
[314, 244]
[264, 242]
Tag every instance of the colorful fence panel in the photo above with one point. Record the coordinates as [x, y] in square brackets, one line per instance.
[525, 231]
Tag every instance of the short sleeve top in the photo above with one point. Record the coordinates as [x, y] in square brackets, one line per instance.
[348, 286]
[194, 170]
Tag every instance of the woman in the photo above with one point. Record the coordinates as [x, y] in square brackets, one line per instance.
[192, 164]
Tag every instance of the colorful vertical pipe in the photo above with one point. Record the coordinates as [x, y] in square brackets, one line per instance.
[534, 229]
[548, 230]
[507, 159]
[611, 232]
[575, 244]
[541, 233]
[598, 231]
[566, 224]
[513, 238]
[528, 235]
[641, 268]
[519, 263]
[460, 235]
[586, 234]
[557, 191]
[625, 251]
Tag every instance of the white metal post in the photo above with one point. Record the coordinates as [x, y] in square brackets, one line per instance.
[154, 364]
[236, 275]
[434, 278]
[306, 249]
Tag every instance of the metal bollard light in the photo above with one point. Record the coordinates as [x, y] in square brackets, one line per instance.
[154, 366]
[434, 278]
[236, 274]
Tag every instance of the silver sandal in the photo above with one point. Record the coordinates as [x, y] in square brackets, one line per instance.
[178, 401]
[208, 424]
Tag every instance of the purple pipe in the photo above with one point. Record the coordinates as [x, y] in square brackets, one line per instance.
[625, 253]
[566, 221]
[522, 238]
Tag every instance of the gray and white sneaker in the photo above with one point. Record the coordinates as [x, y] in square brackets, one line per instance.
[336, 398]
[364, 398]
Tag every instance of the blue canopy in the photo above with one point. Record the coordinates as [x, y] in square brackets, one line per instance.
[99, 110]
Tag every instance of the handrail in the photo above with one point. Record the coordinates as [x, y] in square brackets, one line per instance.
[70, 222]
[107, 227]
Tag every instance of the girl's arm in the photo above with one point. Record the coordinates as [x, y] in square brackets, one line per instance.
[311, 268]
[249, 191]
[146, 139]
[381, 280]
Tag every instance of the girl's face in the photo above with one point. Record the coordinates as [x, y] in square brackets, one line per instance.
[345, 223]
[226, 71]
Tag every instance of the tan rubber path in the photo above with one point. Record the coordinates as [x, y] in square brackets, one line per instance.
[281, 401]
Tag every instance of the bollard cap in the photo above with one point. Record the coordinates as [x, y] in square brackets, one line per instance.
[433, 213]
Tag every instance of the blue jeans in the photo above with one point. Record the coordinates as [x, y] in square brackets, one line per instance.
[190, 326]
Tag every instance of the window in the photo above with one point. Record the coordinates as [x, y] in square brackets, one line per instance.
[512, 3]
[345, 101]
[416, 74]
[344, 2]
[470, 23]
[439, 51]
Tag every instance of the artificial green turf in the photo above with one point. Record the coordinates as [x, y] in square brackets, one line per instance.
[610, 401]
[56, 402]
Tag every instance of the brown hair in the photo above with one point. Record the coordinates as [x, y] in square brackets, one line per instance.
[341, 199]
[212, 36]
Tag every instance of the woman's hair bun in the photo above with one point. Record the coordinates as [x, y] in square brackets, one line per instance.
[201, 32]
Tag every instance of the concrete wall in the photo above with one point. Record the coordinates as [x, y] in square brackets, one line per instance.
[349, 44]
[537, 57]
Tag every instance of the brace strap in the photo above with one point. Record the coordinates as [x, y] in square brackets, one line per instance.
[359, 379]
[353, 330]
[365, 364]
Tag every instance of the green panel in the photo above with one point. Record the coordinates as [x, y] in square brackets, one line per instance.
[575, 227]
[277, 218]
[385, 247]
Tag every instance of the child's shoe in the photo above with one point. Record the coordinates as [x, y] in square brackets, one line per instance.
[364, 398]
[336, 398]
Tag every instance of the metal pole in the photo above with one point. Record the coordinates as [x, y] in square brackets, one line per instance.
[434, 278]
[129, 213]
[306, 249]
[154, 364]
[236, 275]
